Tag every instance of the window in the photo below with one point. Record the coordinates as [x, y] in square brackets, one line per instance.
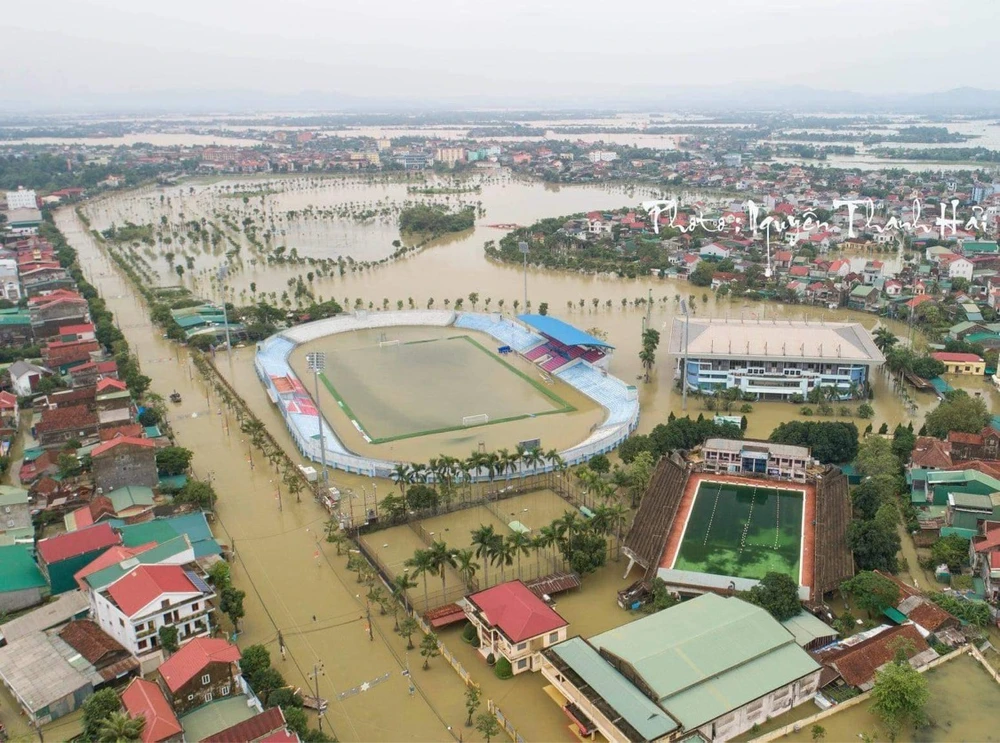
[208, 696]
[225, 690]
[523, 663]
[206, 679]
[522, 646]
[190, 697]
[553, 637]
[142, 645]
[164, 604]
[121, 622]
[194, 607]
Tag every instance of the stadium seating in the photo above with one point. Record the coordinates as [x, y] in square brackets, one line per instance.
[537, 353]
[504, 330]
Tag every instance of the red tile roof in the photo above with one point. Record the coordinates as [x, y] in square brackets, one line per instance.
[857, 664]
[7, 400]
[187, 662]
[931, 452]
[930, 616]
[516, 611]
[143, 585]
[71, 544]
[990, 542]
[109, 383]
[76, 329]
[90, 641]
[961, 437]
[267, 722]
[282, 736]
[143, 698]
[132, 430]
[956, 357]
[113, 556]
[102, 449]
[75, 417]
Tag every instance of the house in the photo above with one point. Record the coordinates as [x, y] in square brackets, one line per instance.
[38, 463]
[871, 272]
[142, 698]
[982, 445]
[930, 453]
[54, 310]
[113, 556]
[513, 622]
[928, 617]
[892, 288]
[864, 297]
[67, 607]
[112, 661]
[132, 504]
[267, 727]
[960, 268]
[8, 409]
[215, 721]
[204, 669]
[713, 667]
[148, 597]
[15, 515]
[24, 377]
[61, 425]
[21, 582]
[160, 530]
[840, 268]
[124, 461]
[714, 250]
[15, 327]
[961, 363]
[118, 561]
[855, 664]
[59, 557]
[783, 259]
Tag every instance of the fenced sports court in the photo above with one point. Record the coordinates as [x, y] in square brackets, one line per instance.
[394, 389]
[743, 531]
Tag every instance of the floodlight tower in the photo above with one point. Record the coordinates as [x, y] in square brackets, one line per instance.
[222, 275]
[684, 367]
[523, 247]
[316, 361]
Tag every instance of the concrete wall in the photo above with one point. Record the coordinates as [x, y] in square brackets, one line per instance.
[16, 600]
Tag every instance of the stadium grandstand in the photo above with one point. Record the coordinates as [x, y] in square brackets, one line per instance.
[561, 346]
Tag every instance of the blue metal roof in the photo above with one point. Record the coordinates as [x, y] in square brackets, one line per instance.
[562, 332]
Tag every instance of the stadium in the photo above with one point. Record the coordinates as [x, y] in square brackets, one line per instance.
[410, 385]
[704, 528]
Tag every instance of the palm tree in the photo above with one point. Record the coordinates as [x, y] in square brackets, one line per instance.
[538, 543]
[617, 518]
[565, 525]
[422, 564]
[648, 357]
[467, 566]
[443, 557]
[884, 338]
[520, 543]
[120, 728]
[503, 555]
[400, 585]
[548, 537]
[401, 476]
[492, 463]
[484, 539]
[418, 472]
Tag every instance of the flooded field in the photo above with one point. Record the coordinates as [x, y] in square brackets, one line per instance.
[962, 705]
[411, 399]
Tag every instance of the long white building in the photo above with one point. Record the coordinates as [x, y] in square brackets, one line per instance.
[21, 199]
[773, 359]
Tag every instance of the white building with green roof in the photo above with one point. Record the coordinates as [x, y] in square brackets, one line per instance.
[711, 666]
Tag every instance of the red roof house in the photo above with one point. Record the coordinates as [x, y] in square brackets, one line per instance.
[113, 556]
[189, 661]
[143, 698]
[73, 544]
[137, 590]
[513, 622]
[260, 727]
[858, 663]
[957, 358]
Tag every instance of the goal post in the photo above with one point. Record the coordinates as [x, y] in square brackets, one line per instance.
[386, 344]
[475, 420]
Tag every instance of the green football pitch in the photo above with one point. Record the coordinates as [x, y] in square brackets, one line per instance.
[742, 531]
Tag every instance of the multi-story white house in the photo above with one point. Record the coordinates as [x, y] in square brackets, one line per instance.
[10, 285]
[771, 359]
[148, 597]
[960, 268]
[736, 457]
[22, 199]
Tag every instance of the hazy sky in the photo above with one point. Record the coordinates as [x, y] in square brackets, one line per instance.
[453, 48]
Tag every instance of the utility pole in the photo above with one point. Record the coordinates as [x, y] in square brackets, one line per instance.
[368, 618]
[316, 361]
[523, 247]
[319, 704]
[222, 276]
[684, 370]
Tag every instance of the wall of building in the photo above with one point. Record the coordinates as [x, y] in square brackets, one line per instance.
[118, 470]
[197, 692]
[16, 600]
[776, 703]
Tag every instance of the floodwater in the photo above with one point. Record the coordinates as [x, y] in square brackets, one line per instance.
[962, 705]
[394, 391]
[456, 266]
[157, 139]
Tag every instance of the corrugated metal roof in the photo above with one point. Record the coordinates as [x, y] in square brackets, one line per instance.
[806, 628]
[18, 571]
[637, 709]
[971, 500]
[561, 331]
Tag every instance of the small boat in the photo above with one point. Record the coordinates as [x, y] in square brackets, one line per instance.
[175, 396]
[317, 703]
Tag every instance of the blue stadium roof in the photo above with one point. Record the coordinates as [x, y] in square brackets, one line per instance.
[562, 332]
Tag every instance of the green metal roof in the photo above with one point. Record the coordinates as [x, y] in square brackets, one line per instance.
[940, 477]
[806, 628]
[193, 525]
[11, 496]
[895, 615]
[18, 571]
[709, 656]
[971, 500]
[15, 319]
[130, 495]
[965, 520]
[100, 578]
[637, 709]
[947, 531]
[214, 717]
[977, 247]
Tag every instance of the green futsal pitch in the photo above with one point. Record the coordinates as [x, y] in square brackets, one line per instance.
[742, 531]
[422, 387]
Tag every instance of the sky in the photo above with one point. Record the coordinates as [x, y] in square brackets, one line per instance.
[62, 50]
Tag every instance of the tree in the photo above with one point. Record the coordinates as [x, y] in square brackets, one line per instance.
[197, 492]
[871, 592]
[952, 550]
[899, 696]
[118, 727]
[818, 732]
[442, 557]
[702, 273]
[831, 441]
[867, 498]
[778, 594]
[484, 539]
[467, 566]
[422, 564]
[173, 460]
[284, 697]
[957, 412]
[875, 543]
[231, 604]
[884, 338]
[68, 464]
[168, 638]
[487, 725]
[429, 648]
[218, 574]
[599, 463]
[865, 410]
[407, 628]
[660, 597]
[472, 701]
[96, 709]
